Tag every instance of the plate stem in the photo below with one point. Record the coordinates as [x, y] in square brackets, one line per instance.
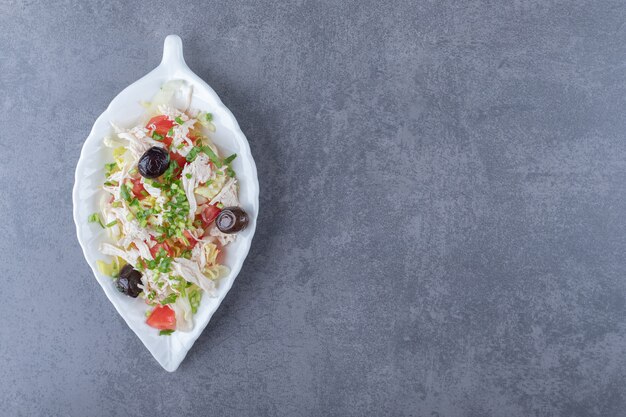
[173, 52]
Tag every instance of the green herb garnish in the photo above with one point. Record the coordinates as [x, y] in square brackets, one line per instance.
[179, 120]
[230, 159]
[156, 136]
[170, 299]
[166, 332]
[195, 295]
[124, 192]
[170, 132]
[113, 223]
[95, 218]
[208, 117]
[169, 172]
[193, 153]
[207, 150]
[110, 168]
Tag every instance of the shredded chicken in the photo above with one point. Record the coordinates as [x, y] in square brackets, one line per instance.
[153, 191]
[129, 256]
[228, 195]
[138, 141]
[190, 271]
[195, 173]
[223, 238]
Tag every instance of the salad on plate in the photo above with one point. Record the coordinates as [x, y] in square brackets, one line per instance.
[170, 208]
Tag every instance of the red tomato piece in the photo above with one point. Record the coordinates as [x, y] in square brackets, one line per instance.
[138, 188]
[180, 160]
[160, 125]
[162, 318]
[157, 248]
[192, 240]
[209, 213]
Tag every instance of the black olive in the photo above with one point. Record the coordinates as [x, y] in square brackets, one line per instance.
[231, 220]
[128, 281]
[154, 162]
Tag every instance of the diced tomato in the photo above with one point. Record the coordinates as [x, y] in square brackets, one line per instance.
[192, 240]
[162, 318]
[161, 125]
[157, 248]
[209, 213]
[138, 188]
[180, 160]
[191, 135]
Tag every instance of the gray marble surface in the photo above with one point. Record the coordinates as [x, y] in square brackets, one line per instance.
[443, 190]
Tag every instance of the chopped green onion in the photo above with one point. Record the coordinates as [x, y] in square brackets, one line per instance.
[169, 172]
[166, 332]
[170, 299]
[95, 218]
[207, 150]
[109, 168]
[170, 132]
[230, 172]
[156, 136]
[208, 117]
[230, 159]
[188, 175]
[113, 223]
[179, 121]
[193, 153]
[124, 192]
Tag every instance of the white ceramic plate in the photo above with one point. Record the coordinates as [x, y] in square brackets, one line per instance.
[124, 110]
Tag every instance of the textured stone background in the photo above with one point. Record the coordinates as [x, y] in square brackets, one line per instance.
[442, 189]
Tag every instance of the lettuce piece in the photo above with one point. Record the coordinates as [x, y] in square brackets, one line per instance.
[111, 269]
[195, 295]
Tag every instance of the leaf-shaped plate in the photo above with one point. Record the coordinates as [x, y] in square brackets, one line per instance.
[125, 110]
